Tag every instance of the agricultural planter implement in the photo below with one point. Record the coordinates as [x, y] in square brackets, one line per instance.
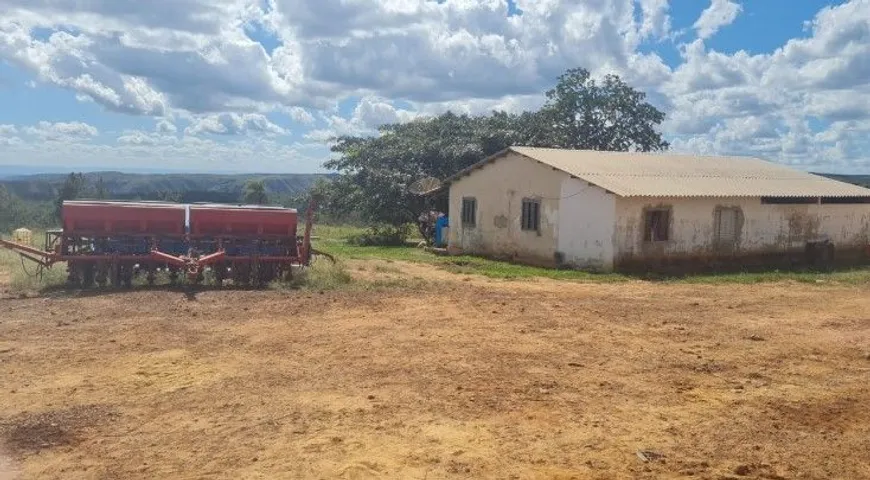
[111, 242]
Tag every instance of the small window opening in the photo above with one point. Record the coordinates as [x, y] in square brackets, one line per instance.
[531, 217]
[656, 225]
[469, 212]
[726, 225]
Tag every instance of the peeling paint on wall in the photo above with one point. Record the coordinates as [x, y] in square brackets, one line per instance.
[803, 226]
[761, 230]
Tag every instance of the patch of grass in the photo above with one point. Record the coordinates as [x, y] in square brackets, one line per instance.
[332, 233]
[504, 270]
[463, 264]
[50, 279]
[327, 276]
[342, 234]
[382, 235]
[387, 269]
[321, 276]
[23, 278]
[415, 283]
[407, 253]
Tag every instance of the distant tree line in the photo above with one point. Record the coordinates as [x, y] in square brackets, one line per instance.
[16, 213]
[218, 188]
[76, 187]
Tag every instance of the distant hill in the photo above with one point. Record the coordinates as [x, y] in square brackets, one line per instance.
[194, 187]
[863, 180]
[191, 187]
[7, 171]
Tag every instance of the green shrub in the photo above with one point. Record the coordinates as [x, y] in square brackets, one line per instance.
[321, 275]
[382, 236]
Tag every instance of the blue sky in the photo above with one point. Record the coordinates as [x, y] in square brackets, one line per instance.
[261, 85]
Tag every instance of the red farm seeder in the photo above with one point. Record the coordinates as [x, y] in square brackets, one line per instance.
[108, 242]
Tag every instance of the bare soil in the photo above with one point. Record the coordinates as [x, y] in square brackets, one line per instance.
[457, 377]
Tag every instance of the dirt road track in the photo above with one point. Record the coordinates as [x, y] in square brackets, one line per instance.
[458, 378]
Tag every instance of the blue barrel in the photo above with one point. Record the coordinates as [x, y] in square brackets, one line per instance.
[440, 224]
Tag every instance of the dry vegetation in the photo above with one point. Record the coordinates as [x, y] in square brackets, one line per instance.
[439, 375]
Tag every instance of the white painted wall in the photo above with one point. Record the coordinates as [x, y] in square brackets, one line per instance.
[765, 229]
[499, 188]
[587, 221]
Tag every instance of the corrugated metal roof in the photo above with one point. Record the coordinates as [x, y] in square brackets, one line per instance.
[667, 175]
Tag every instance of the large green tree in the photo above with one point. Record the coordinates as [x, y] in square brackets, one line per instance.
[377, 172]
[255, 193]
[581, 113]
[75, 186]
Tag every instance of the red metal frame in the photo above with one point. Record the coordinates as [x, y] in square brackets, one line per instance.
[24, 248]
[103, 218]
[220, 220]
[138, 220]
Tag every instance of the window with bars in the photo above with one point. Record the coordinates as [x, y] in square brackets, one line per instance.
[531, 215]
[469, 211]
[657, 225]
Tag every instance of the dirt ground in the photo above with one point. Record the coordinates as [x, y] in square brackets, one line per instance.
[456, 377]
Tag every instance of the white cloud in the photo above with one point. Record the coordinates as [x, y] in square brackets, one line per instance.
[370, 113]
[234, 124]
[147, 57]
[337, 126]
[714, 98]
[656, 20]
[482, 106]
[196, 55]
[7, 135]
[300, 115]
[139, 137]
[164, 126]
[62, 131]
[719, 14]
[198, 62]
[138, 148]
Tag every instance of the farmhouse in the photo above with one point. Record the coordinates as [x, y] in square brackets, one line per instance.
[616, 210]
